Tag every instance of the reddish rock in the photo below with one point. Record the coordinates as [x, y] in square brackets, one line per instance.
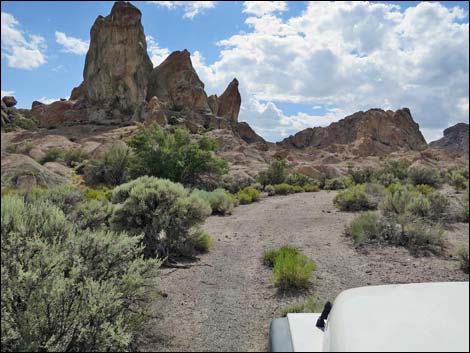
[229, 102]
[375, 132]
[58, 113]
[245, 132]
[9, 101]
[175, 81]
[117, 64]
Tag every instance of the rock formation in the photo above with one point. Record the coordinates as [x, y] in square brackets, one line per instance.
[229, 102]
[175, 81]
[374, 132]
[455, 139]
[117, 65]
[9, 101]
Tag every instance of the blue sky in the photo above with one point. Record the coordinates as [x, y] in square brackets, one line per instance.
[300, 64]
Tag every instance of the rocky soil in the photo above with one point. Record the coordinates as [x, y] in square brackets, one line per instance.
[225, 300]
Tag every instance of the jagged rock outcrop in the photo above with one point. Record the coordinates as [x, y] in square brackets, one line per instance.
[455, 139]
[372, 133]
[117, 64]
[247, 134]
[229, 102]
[175, 81]
[9, 101]
[213, 102]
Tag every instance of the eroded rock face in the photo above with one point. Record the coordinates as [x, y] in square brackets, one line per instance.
[247, 134]
[229, 102]
[117, 65]
[9, 101]
[374, 132]
[175, 81]
[455, 140]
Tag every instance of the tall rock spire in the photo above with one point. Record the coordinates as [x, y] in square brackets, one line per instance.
[117, 64]
[229, 102]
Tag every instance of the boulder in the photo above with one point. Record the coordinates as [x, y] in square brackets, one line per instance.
[229, 102]
[156, 111]
[117, 64]
[9, 101]
[247, 133]
[20, 171]
[455, 140]
[36, 103]
[59, 113]
[175, 81]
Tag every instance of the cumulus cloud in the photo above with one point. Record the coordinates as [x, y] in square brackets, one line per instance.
[156, 53]
[21, 51]
[71, 44]
[46, 100]
[260, 8]
[7, 93]
[191, 8]
[348, 56]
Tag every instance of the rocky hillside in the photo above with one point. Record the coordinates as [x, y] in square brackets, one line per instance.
[374, 132]
[455, 139]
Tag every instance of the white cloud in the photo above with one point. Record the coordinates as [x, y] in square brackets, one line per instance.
[157, 54]
[47, 100]
[191, 8]
[71, 44]
[7, 93]
[21, 53]
[347, 56]
[260, 8]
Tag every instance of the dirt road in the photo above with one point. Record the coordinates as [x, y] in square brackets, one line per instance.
[225, 301]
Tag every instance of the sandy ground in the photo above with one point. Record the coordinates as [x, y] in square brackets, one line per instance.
[226, 300]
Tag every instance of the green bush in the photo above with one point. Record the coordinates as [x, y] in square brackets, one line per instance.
[360, 175]
[398, 168]
[420, 237]
[220, 200]
[458, 181]
[202, 242]
[300, 179]
[64, 197]
[96, 194]
[275, 174]
[52, 154]
[248, 195]
[309, 305]
[24, 147]
[74, 157]
[424, 175]
[66, 289]
[419, 206]
[292, 269]
[92, 214]
[162, 210]
[270, 190]
[283, 189]
[353, 199]
[463, 257]
[176, 157]
[425, 189]
[112, 169]
[364, 227]
[337, 183]
[387, 179]
[311, 188]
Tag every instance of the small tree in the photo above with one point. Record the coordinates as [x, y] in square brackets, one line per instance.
[275, 174]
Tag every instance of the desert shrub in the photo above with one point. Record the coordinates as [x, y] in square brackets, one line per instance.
[360, 175]
[425, 189]
[202, 242]
[397, 199]
[458, 181]
[311, 188]
[419, 206]
[465, 208]
[221, 201]
[92, 214]
[300, 179]
[386, 179]
[297, 188]
[257, 186]
[364, 227]
[112, 169]
[175, 156]
[425, 175]
[337, 183]
[23, 147]
[269, 257]
[275, 174]
[397, 168]
[463, 258]
[162, 210]
[309, 305]
[64, 197]
[421, 237]
[73, 157]
[283, 189]
[248, 195]
[292, 269]
[66, 289]
[439, 207]
[52, 154]
[270, 190]
[234, 184]
[96, 194]
[353, 199]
